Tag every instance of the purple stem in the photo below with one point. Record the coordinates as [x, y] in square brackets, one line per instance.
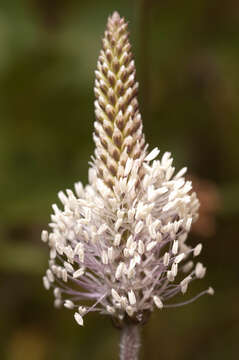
[129, 342]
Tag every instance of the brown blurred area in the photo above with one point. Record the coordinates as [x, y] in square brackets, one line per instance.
[210, 204]
[187, 56]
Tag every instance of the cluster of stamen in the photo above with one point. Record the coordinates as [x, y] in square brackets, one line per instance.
[120, 242]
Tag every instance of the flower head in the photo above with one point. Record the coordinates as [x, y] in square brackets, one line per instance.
[118, 245]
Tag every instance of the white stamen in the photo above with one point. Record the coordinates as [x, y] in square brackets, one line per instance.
[131, 214]
[184, 288]
[166, 259]
[186, 280]
[152, 155]
[132, 248]
[170, 276]
[197, 250]
[102, 229]
[64, 275]
[117, 239]
[44, 236]
[53, 253]
[111, 254]
[200, 270]
[180, 173]
[175, 247]
[63, 198]
[79, 250]
[138, 227]
[82, 310]
[129, 241]
[165, 159]
[69, 268]
[115, 295]
[168, 206]
[69, 304]
[158, 302]
[119, 270]
[184, 284]
[50, 275]
[46, 283]
[179, 258]
[132, 298]
[123, 302]
[210, 291]
[188, 224]
[78, 273]
[126, 252]
[130, 310]
[110, 309]
[104, 257]
[151, 245]
[128, 166]
[141, 247]
[118, 224]
[78, 319]
[57, 293]
[174, 269]
[137, 259]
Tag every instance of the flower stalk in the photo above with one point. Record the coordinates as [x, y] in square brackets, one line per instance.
[130, 342]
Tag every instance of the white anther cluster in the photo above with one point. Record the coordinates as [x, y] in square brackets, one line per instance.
[120, 242]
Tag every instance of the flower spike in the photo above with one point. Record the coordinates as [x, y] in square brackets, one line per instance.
[118, 245]
[118, 128]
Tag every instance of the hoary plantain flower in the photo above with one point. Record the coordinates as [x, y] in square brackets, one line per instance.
[118, 245]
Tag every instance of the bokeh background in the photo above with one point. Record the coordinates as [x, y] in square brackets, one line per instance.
[187, 57]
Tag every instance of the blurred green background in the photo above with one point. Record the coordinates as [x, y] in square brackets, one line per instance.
[187, 58]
